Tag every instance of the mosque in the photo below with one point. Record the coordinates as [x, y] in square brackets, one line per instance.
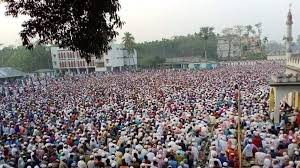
[285, 87]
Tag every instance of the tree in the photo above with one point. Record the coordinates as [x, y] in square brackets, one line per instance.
[26, 60]
[249, 30]
[239, 29]
[229, 35]
[84, 25]
[258, 27]
[205, 33]
[265, 41]
[259, 30]
[128, 41]
[274, 48]
[191, 45]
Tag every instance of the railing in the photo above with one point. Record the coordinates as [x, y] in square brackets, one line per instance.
[285, 78]
[293, 61]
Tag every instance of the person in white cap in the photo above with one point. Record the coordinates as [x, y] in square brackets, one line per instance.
[248, 150]
[91, 162]
[291, 148]
[81, 163]
[21, 162]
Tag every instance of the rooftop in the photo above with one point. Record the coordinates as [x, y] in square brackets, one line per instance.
[8, 72]
[44, 70]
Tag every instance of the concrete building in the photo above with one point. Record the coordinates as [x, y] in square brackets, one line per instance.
[285, 87]
[228, 49]
[116, 59]
[67, 61]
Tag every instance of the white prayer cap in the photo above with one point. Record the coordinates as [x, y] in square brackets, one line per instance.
[225, 164]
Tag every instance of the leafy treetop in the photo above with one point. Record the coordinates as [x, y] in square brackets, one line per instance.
[84, 25]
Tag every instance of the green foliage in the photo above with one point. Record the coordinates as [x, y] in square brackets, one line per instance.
[178, 46]
[25, 60]
[128, 41]
[87, 26]
[255, 56]
[150, 61]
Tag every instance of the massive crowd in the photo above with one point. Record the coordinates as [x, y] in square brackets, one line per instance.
[148, 119]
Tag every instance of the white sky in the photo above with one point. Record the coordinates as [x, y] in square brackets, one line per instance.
[156, 19]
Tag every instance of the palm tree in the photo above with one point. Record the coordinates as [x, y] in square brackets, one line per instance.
[265, 41]
[128, 41]
[258, 27]
[249, 29]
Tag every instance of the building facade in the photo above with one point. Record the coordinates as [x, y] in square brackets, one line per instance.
[285, 87]
[67, 61]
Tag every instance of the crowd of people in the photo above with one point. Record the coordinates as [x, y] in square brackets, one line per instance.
[147, 119]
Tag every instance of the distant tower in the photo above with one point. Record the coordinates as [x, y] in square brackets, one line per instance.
[289, 37]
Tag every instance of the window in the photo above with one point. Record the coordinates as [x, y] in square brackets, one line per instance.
[107, 61]
[100, 64]
[54, 63]
[54, 55]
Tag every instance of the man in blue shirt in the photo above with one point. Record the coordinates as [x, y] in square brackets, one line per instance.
[172, 162]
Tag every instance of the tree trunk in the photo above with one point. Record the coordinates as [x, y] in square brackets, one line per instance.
[205, 52]
[229, 49]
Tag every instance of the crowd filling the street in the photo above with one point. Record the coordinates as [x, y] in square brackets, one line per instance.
[162, 118]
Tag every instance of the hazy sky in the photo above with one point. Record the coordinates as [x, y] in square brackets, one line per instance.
[156, 19]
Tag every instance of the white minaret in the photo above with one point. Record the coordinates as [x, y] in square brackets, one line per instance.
[289, 37]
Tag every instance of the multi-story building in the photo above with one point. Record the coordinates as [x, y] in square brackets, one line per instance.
[65, 60]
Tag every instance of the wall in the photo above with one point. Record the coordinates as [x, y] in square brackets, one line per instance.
[277, 57]
[64, 59]
[119, 57]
